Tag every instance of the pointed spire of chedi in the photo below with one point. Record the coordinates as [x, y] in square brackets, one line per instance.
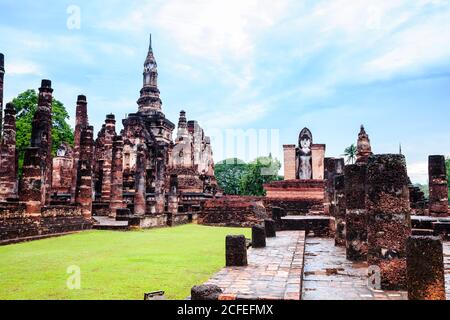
[364, 149]
[149, 101]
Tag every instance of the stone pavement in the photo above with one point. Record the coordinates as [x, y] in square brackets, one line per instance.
[447, 268]
[328, 275]
[273, 273]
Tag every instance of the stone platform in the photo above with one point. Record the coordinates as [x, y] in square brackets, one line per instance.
[273, 273]
[328, 275]
[106, 223]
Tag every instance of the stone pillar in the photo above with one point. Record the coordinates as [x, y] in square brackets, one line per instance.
[258, 237]
[425, 261]
[438, 186]
[2, 76]
[110, 133]
[289, 162]
[389, 222]
[356, 213]
[41, 137]
[84, 194]
[35, 187]
[30, 189]
[318, 161]
[236, 251]
[339, 210]
[140, 184]
[271, 228]
[8, 164]
[81, 121]
[117, 177]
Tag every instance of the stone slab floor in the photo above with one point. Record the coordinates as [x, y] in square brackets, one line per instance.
[328, 275]
[314, 266]
[447, 268]
[273, 272]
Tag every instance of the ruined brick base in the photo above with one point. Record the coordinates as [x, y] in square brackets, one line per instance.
[16, 225]
[296, 197]
[233, 212]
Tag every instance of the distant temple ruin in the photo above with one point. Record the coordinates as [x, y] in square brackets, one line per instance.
[139, 176]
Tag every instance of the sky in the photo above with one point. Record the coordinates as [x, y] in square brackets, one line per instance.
[265, 69]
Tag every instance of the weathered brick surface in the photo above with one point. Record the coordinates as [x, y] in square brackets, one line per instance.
[338, 209]
[438, 186]
[258, 236]
[2, 76]
[233, 212]
[236, 251]
[389, 223]
[271, 228]
[356, 218]
[8, 163]
[290, 168]
[425, 263]
[81, 121]
[117, 176]
[298, 197]
[84, 181]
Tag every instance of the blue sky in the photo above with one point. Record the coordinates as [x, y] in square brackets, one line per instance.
[250, 65]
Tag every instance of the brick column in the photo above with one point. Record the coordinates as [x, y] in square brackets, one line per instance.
[8, 164]
[81, 120]
[117, 177]
[140, 184]
[289, 162]
[389, 223]
[41, 137]
[339, 209]
[438, 186]
[356, 213]
[35, 187]
[30, 188]
[318, 161]
[425, 260]
[84, 194]
[109, 134]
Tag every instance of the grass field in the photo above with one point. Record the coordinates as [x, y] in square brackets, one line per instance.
[114, 265]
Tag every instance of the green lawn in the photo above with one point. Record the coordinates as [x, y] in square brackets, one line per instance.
[114, 265]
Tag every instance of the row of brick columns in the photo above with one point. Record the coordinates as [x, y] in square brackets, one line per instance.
[35, 185]
[378, 225]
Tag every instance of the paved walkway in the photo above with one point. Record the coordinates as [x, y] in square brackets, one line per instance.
[447, 267]
[328, 275]
[272, 273]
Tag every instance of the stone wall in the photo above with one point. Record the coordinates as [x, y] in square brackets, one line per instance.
[17, 224]
[233, 212]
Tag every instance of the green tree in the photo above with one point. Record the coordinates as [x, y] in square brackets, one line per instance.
[350, 153]
[259, 172]
[26, 105]
[228, 174]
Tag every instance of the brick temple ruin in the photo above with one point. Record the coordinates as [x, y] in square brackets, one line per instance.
[139, 177]
[367, 213]
[343, 231]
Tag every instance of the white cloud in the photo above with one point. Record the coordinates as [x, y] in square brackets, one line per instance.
[23, 67]
[418, 172]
